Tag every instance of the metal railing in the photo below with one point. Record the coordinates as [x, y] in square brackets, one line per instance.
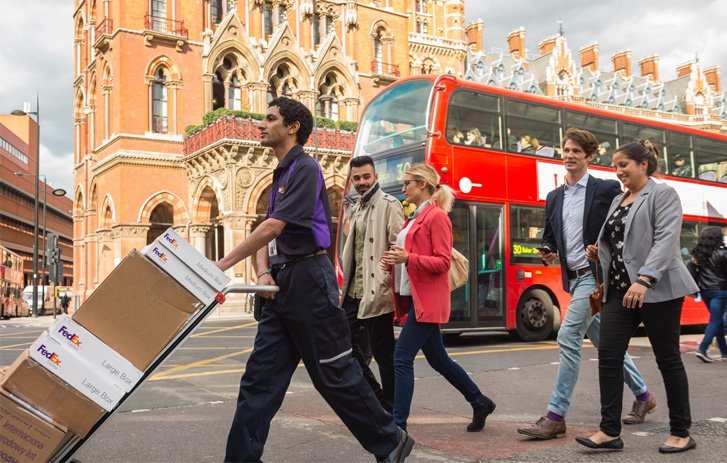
[105, 28]
[165, 25]
[384, 69]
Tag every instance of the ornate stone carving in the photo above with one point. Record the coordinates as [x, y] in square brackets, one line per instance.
[245, 177]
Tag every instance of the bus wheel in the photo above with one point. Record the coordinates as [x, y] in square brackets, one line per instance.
[536, 316]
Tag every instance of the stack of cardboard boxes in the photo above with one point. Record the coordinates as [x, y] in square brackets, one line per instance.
[83, 366]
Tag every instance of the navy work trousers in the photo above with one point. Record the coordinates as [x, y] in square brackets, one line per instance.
[305, 322]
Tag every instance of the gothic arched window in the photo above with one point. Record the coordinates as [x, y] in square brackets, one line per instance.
[235, 94]
[160, 104]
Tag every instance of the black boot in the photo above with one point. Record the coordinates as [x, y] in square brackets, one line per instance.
[480, 414]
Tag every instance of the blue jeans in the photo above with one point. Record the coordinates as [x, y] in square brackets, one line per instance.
[577, 322]
[427, 337]
[716, 302]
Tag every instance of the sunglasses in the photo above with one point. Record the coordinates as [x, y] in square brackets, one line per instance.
[407, 182]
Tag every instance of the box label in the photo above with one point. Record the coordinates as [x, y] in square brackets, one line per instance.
[180, 271]
[71, 368]
[176, 244]
[107, 361]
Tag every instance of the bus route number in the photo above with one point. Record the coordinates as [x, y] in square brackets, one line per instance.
[401, 168]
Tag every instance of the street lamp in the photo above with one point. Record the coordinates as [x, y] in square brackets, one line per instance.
[54, 192]
[321, 99]
[18, 112]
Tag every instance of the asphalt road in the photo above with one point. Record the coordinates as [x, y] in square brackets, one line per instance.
[183, 413]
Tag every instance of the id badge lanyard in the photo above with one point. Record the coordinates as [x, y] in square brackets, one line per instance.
[272, 245]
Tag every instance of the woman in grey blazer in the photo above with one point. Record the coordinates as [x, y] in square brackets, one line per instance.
[645, 280]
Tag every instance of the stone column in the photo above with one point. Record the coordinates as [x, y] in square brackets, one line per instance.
[127, 236]
[198, 236]
[207, 88]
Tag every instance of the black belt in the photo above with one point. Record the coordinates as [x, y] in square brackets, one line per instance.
[297, 259]
[572, 274]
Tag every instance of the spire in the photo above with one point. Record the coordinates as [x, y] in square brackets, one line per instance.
[560, 27]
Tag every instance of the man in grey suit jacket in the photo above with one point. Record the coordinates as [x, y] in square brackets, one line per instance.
[574, 214]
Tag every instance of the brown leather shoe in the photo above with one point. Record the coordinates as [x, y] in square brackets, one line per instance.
[640, 410]
[544, 429]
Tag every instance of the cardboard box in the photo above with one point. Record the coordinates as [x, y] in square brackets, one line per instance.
[26, 435]
[107, 362]
[180, 271]
[137, 310]
[45, 391]
[194, 259]
[71, 368]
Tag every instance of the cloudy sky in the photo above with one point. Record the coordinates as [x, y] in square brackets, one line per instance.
[36, 48]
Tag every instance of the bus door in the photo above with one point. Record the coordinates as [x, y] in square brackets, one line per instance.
[478, 234]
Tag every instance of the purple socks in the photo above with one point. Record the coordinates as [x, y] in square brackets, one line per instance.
[557, 418]
[643, 397]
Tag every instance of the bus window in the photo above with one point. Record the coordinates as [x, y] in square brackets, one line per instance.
[490, 281]
[474, 119]
[688, 239]
[605, 131]
[711, 160]
[632, 132]
[527, 224]
[681, 156]
[533, 129]
[397, 117]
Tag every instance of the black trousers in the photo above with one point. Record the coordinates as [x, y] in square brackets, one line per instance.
[662, 323]
[379, 331]
[305, 322]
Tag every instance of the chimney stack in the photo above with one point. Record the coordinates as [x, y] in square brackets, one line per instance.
[650, 67]
[713, 78]
[589, 56]
[474, 35]
[547, 45]
[516, 43]
[622, 62]
[685, 69]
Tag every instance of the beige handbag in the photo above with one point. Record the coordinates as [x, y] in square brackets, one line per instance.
[459, 270]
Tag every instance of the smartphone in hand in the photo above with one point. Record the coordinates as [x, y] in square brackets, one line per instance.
[545, 250]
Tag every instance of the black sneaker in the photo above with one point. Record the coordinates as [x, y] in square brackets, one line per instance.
[401, 451]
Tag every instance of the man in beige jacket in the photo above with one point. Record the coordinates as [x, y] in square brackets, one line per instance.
[376, 220]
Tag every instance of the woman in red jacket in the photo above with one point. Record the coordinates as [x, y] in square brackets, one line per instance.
[420, 261]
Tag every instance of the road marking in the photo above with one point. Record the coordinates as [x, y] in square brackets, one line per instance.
[190, 375]
[26, 344]
[513, 368]
[197, 335]
[718, 420]
[199, 364]
[555, 363]
[141, 410]
[641, 434]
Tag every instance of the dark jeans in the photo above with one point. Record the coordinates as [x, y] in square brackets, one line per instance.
[716, 302]
[305, 322]
[662, 323]
[379, 331]
[427, 337]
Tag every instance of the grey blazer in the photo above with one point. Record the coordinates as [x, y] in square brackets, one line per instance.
[651, 243]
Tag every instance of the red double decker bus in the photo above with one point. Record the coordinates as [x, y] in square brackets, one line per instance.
[500, 150]
[11, 285]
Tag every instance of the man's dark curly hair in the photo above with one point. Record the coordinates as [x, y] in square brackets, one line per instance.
[295, 111]
[709, 241]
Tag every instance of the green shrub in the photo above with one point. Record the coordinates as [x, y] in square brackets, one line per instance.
[190, 129]
[351, 126]
[257, 116]
[324, 122]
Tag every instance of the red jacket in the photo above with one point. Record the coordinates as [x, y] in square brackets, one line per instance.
[429, 244]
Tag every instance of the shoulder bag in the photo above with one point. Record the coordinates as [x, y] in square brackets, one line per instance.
[459, 270]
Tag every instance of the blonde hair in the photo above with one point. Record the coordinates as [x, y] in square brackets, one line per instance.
[441, 195]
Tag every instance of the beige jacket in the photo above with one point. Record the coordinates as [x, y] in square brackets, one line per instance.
[383, 217]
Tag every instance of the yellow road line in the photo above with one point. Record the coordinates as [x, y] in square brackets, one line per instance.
[205, 362]
[16, 345]
[223, 329]
[157, 377]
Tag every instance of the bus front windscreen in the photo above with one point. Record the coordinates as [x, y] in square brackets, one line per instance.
[395, 118]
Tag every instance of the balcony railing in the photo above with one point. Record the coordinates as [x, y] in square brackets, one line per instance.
[384, 69]
[164, 25]
[243, 129]
[105, 28]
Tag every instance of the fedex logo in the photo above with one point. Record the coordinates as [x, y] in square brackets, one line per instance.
[160, 254]
[70, 336]
[171, 240]
[52, 356]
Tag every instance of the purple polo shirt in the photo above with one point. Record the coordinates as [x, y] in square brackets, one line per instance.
[299, 198]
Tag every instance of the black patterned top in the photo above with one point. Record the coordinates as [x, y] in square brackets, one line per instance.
[615, 228]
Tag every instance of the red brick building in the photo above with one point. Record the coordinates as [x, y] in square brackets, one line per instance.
[17, 205]
[146, 69]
